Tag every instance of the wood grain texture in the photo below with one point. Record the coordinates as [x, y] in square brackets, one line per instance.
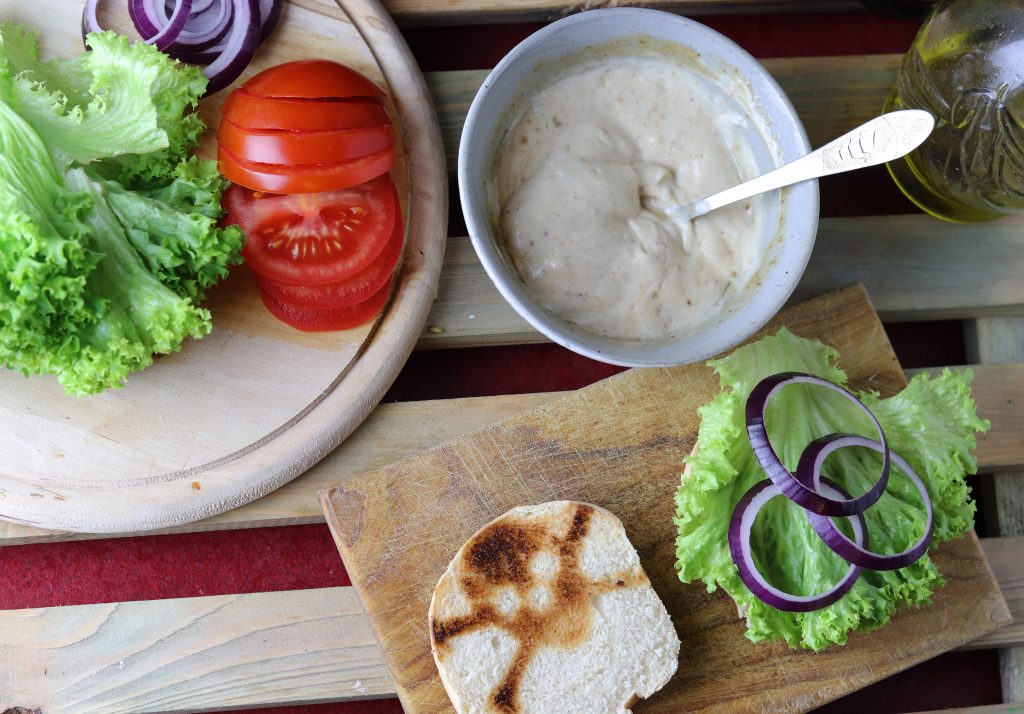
[914, 267]
[215, 653]
[200, 432]
[451, 12]
[1005, 555]
[395, 431]
[1002, 340]
[390, 433]
[191, 654]
[619, 444]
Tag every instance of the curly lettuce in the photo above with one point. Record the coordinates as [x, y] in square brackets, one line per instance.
[931, 423]
[108, 229]
[186, 250]
[123, 102]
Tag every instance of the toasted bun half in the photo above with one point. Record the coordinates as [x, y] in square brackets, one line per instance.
[546, 609]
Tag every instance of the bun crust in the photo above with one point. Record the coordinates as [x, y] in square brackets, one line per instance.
[547, 609]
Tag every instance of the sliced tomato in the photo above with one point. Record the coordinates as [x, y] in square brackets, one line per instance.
[311, 79]
[314, 238]
[290, 114]
[304, 178]
[303, 147]
[312, 319]
[344, 292]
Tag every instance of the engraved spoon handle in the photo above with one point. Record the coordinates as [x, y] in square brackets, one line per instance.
[882, 139]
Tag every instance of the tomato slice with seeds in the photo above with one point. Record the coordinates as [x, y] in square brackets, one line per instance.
[294, 114]
[312, 319]
[303, 178]
[343, 292]
[305, 147]
[314, 238]
[311, 79]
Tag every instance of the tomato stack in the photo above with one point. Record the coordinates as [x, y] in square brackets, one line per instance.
[308, 146]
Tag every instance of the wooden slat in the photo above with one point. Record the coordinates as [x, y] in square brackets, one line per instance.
[1005, 556]
[392, 432]
[1002, 340]
[193, 654]
[831, 94]
[450, 12]
[395, 431]
[914, 267]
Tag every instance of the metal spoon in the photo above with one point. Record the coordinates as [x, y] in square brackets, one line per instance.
[882, 139]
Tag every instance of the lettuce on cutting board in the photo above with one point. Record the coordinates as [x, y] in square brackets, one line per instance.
[931, 423]
[108, 229]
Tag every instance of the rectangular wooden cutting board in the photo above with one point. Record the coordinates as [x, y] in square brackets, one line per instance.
[620, 444]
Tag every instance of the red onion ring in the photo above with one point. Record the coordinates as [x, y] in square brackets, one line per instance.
[202, 31]
[90, 23]
[240, 46]
[145, 23]
[221, 34]
[270, 14]
[161, 37]
[812, 460]
[740, 526]
[175, 26]
[197, 7]
[810, 490]
[792, 487]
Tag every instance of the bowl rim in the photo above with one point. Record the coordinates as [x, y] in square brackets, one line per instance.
[485, 243]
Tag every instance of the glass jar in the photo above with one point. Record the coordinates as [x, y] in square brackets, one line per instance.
[966, 67]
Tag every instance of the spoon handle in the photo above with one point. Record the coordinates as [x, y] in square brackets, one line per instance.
[882, 139]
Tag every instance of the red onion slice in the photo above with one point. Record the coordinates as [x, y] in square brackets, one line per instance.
[270, 14]
[90, 23]
[740, 526]
[144, 18]
[160, 37]
[174, 27]
[802, 494]
[241, 44]
[811, 462]
[197, 7]
[204, 29]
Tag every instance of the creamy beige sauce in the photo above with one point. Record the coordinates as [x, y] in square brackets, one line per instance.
[580, 187]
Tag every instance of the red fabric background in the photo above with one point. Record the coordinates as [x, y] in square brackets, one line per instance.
[258, 560]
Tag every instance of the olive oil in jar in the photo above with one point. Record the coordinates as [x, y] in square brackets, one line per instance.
[966, 67]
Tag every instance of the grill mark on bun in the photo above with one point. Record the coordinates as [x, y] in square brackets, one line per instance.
[499, 560]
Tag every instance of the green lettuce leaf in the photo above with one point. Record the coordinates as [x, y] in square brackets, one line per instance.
[44, 257]
[195, 186]
[108, 233]
[137, 316]
[188, 252]
[118, 99]
[931, 423]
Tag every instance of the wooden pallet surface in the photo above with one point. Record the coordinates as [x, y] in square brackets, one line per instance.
[308, 646]
[999, 340]
[196, 654]
[395, 431]
[966, 271]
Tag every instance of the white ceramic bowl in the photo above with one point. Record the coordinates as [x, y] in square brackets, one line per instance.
[792, 225]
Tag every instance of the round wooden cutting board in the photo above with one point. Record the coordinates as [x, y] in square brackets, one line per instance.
[255, 403]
